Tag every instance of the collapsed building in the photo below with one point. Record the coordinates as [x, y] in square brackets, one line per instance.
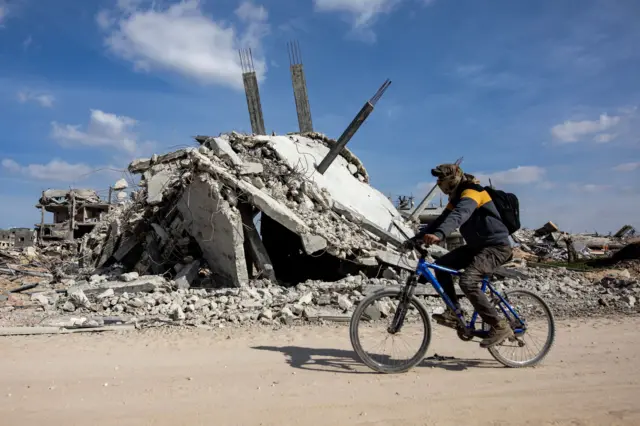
[75, 213]
[242, 207]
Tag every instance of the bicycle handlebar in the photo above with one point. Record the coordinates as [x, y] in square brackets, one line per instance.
[422, 250]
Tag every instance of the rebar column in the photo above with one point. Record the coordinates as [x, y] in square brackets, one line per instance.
[299, 88]
[251, 90]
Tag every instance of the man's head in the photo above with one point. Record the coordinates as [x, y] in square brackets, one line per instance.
[449, 177]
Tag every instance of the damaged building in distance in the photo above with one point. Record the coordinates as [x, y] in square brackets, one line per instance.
[17, 238]
[75, 213]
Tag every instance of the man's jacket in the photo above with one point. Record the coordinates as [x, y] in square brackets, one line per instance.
[471, 209]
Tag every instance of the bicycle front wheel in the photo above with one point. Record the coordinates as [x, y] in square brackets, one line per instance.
[372, 322]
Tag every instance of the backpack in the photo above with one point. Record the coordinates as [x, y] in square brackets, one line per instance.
[508, 207]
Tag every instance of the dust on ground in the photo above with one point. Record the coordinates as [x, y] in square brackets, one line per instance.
[307, 375]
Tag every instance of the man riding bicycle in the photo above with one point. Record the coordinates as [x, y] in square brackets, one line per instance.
[471, 209]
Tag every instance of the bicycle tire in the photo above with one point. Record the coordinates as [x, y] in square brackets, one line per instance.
[355, 339]
[548, 344]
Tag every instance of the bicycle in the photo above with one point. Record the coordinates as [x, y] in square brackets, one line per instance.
[376, 306]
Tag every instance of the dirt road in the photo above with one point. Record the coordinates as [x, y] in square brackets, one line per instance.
[307, 376]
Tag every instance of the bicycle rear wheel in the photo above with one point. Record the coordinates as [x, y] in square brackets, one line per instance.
[379, 309]
[535, 332]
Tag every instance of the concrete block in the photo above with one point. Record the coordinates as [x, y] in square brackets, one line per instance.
[252, 169]
[223, 150]
[157, 186]
[187, 274]
[126, 245]
[367, 261]
[120, 185]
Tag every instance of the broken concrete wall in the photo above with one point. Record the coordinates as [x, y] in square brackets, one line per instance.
[217, 227]
[24, 237]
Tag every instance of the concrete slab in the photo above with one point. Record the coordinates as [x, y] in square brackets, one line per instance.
[251, 169]
[142, 165]
[338, 180]
[217, 228]
[144, 284]
[156, 186]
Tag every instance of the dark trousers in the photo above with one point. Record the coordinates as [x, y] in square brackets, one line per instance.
[476, 262]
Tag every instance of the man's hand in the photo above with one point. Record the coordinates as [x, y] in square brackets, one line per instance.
[430, 239]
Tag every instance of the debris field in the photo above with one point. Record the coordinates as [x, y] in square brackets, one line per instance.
[244, 229]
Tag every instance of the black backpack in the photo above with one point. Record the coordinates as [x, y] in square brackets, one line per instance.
[508, 206]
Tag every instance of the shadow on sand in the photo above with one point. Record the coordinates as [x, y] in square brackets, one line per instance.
[344, 361]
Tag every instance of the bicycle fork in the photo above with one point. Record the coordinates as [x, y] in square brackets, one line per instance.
[403, 305]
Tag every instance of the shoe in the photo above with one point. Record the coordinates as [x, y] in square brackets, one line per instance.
[447, 319]
[497, 335]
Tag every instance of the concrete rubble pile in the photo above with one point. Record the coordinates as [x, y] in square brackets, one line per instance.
[152, 300]
[196, 218]
[243, 229]
[575, 293]
[550, 243]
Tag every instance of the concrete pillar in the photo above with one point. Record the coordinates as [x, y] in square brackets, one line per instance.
[40, 237]
[302, 99]
[253, 103]
[72, 216]
[300, 88]
[252, 92]
[255, 251]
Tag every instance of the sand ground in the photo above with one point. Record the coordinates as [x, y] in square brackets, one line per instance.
[308, 376]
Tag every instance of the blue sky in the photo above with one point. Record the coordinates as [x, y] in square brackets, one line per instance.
[540, 96]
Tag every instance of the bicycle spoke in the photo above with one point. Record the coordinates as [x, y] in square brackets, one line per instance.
[530, 346]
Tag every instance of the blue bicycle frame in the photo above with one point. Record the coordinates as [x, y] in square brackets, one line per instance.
[423, 270]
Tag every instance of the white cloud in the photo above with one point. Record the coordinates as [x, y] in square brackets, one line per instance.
[590, 187]
[104, 130]
[182, 39]
[4, 11]
[44, 99]
[362, 13]
[627, 167]
[105, 19]
[55, 170]
[573, 131]
[605, 137]
[10, 165]
[517, 176]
